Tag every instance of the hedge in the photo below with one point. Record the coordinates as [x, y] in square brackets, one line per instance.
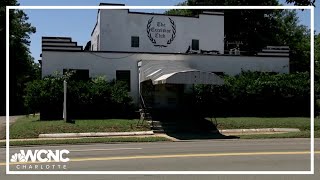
[256, 94]
[93, 98]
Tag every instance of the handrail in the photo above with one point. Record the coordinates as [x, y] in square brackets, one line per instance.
[143, 103]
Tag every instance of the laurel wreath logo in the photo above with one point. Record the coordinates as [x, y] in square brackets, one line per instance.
[148, 31]
[173, 26]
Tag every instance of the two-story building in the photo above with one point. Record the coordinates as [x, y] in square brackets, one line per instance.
[169, 53]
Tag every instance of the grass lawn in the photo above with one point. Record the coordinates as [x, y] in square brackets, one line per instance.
[302, 134]
[86, 140]
[31, 127]
[303, 123]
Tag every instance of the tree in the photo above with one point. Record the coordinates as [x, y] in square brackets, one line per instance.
[302, 2]
[317, 71]
[259, 28]
[22, 66]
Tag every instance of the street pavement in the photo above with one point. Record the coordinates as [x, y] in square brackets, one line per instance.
[200, 155]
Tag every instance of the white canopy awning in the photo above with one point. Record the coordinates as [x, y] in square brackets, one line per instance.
[176, 72]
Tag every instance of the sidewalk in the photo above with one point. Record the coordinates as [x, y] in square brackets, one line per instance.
[3, 124]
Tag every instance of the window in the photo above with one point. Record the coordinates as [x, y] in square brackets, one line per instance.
[124, 75]
[195, 44]
[78, 74]
[134, 41]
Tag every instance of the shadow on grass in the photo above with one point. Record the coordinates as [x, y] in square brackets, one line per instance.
[190, 127]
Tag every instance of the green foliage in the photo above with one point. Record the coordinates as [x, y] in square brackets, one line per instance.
[317, 72]
[259, 28]
[302, 2]
[95, 98]
[182, 12]
[22, 66]
[256, 94]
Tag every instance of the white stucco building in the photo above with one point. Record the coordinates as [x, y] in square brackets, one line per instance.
[116, 29]
[159, 49]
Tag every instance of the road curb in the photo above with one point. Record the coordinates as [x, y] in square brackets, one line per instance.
[262, 130]
[96, 134]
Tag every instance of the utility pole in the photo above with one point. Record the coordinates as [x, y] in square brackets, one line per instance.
[65, 101]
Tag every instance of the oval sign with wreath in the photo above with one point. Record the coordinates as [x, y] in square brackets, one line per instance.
[160, 33]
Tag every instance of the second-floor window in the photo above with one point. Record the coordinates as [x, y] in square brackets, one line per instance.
[195, 44]
[134, 41]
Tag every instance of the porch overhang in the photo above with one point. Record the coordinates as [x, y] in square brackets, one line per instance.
[176, 72]
[189, 77]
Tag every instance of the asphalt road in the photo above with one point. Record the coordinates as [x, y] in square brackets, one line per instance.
[204, 155]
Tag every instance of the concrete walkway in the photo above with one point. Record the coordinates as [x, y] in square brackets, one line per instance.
[3, 124]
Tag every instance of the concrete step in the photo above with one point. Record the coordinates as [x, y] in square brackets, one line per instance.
[158, 131]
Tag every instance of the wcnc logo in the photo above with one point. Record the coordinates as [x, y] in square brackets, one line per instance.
[41, 156]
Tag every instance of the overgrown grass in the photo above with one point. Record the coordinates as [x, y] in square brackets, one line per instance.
[303, 123]
[86, 140]
[31, 127]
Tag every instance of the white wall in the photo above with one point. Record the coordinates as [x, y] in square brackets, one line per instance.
[94, 35]
[107, 63]
[117, 26]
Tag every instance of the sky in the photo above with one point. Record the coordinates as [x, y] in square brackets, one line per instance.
[78, 24]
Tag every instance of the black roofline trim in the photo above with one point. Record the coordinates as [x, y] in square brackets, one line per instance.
[54, 37]
[64, 42]
[94, 27]
[272, 56]
[81, 48]
[62, 50]
[273, 51]
[160, 14]
[128, 52]
[215, 14]
[59, 46]
[112, 4]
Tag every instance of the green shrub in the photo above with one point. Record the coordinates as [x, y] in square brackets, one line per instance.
[256, 94]
[93, 98]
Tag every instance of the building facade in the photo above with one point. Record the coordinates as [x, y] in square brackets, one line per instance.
[162, 50]
[122, 30]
